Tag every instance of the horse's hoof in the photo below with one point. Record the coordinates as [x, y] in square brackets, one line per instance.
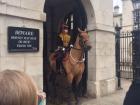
[69, 103]
[77, 102]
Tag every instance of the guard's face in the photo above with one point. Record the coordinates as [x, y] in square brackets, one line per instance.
[65, 31]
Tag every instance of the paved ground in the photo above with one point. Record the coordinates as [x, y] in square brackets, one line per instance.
[113, 99]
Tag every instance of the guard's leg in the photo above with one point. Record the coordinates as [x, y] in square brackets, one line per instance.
[58, 65]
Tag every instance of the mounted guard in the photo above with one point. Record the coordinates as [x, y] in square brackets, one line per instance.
[63, 42]
[74, 63]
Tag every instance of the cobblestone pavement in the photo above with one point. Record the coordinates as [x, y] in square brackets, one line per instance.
[112, 99]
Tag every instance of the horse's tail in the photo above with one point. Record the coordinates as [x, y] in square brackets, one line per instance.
[52, 61]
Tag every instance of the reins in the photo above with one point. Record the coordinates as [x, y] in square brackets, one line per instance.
[82, 49]
[77, 48]
[75, 60]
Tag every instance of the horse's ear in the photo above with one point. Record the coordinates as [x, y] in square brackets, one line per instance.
[82, 30]
[79, 30]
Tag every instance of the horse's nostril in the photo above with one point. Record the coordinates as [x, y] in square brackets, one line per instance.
[89, 47]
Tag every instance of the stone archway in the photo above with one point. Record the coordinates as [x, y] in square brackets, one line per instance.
[90, 14]
[56, 13]
[101, 69]
[101, 62]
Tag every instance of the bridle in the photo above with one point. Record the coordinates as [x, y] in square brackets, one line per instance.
[82, 44]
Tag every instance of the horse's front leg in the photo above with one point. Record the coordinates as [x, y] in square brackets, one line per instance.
[76, 87]
[77, 95]
[70, 79]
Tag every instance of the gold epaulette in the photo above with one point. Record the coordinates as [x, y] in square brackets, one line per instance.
[65, 39]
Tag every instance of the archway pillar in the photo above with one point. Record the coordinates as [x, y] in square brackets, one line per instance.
[101, 62]
[101, 74]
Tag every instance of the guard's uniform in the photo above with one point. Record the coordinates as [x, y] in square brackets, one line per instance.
[65, 39]
[63, 46]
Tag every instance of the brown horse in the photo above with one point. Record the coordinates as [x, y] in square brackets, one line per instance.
[74, 60]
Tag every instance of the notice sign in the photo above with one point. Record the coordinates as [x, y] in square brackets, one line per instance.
[23, 39]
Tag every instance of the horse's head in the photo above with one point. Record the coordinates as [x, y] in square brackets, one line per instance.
[84, 39]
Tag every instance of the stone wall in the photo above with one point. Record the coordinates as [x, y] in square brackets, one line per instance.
[28, 14]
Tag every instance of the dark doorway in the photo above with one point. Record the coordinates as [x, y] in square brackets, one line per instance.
[59, 11]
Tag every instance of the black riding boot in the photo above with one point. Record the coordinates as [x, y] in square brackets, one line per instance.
[58, 66]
